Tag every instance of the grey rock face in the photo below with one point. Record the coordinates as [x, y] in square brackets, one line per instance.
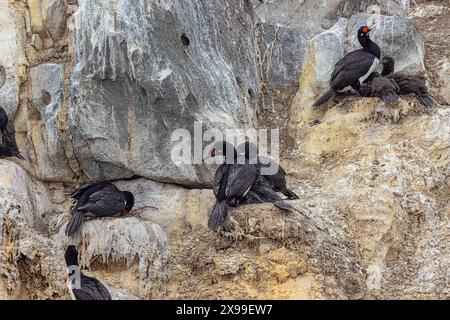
[283, 30]
[148, 68]
[47, 97]
[56, 18]
[388, 7]
[11, 58]
[397, 37]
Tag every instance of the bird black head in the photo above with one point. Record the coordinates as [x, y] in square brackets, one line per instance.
[364, 31]
[367, 43]
[129, 204]
[3, 119]
[71, 256]
[388, 65]
[223, 148]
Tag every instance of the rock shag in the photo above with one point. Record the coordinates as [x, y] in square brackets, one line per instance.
[232, 182]
[98, 200]
[354, 68]
[82, 287]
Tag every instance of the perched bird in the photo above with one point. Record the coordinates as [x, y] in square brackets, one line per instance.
[98, 200]
[408, 83]
[8, 144]
[385, 88]
[276, 181]
[82, 287]
[232, 182]
[354, 68]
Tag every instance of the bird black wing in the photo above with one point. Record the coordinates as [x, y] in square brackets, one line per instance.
[8, 146]
[92, 187]
[276, 181]
[91, 289]
[108, 201]
[409, 83]
[218, 178]
[241, 177]
[350, 68]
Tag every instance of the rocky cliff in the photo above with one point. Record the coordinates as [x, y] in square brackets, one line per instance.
[95, 88]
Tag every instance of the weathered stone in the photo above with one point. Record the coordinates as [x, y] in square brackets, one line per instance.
[55, 18]
[47, 97]
[36, 42]
[444, 74]
[387, 7]
[136, 82]
[27, 256]
[12, 58]
[137, 247]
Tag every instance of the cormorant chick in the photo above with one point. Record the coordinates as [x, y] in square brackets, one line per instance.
[408, 83]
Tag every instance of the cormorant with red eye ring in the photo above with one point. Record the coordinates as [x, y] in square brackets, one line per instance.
[232, 182]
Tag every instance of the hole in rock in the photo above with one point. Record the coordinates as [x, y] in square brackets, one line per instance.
[46, 98]
[185, 40]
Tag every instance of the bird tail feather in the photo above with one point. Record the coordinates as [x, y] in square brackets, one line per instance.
[74, 223]
[218, 215]
[425, 100]
[323, 99]
[290, 194]
[283, 206]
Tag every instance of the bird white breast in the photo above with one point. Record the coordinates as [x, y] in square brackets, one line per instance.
[375, 63]
[70, 287]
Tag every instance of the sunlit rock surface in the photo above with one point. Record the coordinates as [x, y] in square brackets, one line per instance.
[95, 88]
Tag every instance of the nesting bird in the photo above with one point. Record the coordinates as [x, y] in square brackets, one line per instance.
[385, 89]
[82, 287]
[8, 144]
[407, 84]
[232, 182]
[276, 181]
[354, 68]
[98, 200]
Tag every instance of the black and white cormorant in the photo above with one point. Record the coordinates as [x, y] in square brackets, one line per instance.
[81, 286]
[232, 182]
[408, 83]
[276, 181]
[98, 200]
[354, 68]
[8, 144]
